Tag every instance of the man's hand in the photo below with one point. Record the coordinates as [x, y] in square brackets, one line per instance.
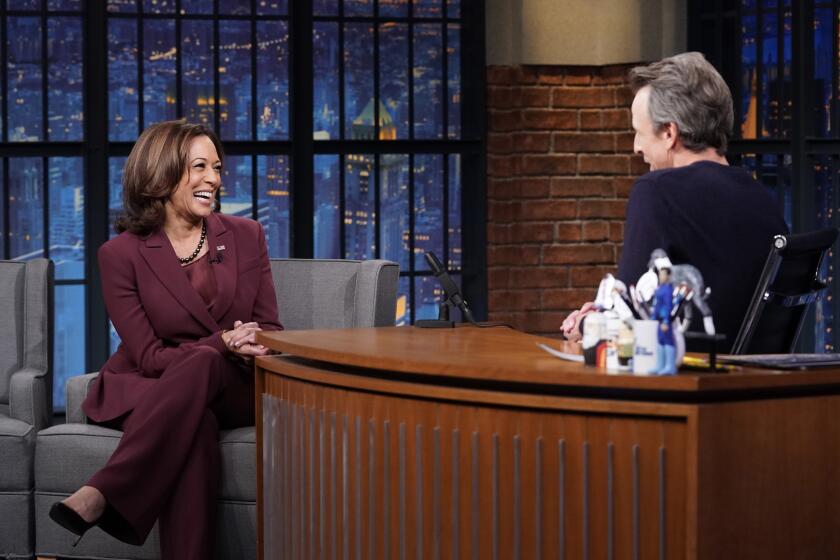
[571, 325]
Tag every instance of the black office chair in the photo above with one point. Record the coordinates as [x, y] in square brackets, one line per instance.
[789, 283]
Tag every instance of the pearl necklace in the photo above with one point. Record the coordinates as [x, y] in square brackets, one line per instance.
[191, 258]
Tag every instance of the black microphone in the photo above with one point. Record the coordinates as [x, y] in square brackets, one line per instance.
[217, 259]
[450, 288]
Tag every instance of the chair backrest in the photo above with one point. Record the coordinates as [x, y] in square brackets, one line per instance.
[324, 294]
[788, 285]
[26, 289]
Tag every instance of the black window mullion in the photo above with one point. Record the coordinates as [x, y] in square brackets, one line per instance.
[141, 118]
[255, 193]
[411, 267]
[96, 151]
[759, 70]
[411, 95]
[7, 241]
[473, 165]
[377, 214]
[4, 78]
[342, 207]
[834, 114]
[780, 69]
[179, 63]
[444, 82]
[804, 207]
[254, 45]
[834, 255]
[254, 77]
[301, 181]
[445, 211]
[376, 100]
[44, 75]
[216, 94]
[736, 77]
[45, 207]
[342, 133]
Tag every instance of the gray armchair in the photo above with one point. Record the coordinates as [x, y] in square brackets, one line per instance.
[311, 294]
[26, 292]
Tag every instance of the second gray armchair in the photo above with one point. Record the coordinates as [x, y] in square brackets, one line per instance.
[26, 297]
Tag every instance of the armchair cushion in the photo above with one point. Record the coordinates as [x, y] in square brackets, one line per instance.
[17, 444]
[84, 448]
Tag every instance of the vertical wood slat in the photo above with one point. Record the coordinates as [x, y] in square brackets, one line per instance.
[336, 472]
[561, 498]
[494, 535]
[386, 489]
[357, 487]
[345, 491]
[662, 517]
[475, 517]
[333, 489]
[311, 486]
[322, 490]
[419, 489]
[456, 502]
[610, 503]
[295, 483]
[585, 506]
[372, 489]
[401, 453]
[635, 520]
[436, 497]
[538, 494]
[517, 497]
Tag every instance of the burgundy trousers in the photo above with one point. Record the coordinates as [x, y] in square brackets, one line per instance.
[167, 464]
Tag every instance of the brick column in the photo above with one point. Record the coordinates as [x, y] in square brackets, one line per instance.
[559, 170]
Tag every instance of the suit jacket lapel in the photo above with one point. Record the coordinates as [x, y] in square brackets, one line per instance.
[223, 254]
[161, 257]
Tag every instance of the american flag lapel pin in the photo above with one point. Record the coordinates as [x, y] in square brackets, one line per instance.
[220, 247]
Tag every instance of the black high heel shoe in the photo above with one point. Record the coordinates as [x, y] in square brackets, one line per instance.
[110, 522]
[65, 516]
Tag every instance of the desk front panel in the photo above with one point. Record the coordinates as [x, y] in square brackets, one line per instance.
[363, 474]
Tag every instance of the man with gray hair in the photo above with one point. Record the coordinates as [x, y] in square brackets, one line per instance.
[693, 204]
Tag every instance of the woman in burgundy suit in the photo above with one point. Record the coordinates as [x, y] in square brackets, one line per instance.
[186, 289]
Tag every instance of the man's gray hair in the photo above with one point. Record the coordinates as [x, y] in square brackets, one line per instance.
[686, 90]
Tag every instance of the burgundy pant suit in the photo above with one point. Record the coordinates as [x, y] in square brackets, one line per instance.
[172, 383]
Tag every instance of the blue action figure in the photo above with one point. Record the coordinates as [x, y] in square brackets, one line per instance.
[663, 304]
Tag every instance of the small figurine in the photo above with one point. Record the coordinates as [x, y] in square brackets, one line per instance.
[691, 277]
[663, 305]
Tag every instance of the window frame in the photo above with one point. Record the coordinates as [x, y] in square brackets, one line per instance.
[300, 148]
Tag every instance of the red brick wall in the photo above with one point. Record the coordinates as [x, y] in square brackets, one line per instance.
[559, 170]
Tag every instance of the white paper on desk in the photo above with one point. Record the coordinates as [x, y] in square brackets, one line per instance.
[561, 355]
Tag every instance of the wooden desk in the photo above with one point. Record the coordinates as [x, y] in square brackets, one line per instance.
[473, 443]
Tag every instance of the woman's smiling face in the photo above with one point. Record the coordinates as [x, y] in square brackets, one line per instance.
[195, 195]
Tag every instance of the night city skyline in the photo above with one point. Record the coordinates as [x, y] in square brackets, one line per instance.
[150, 78]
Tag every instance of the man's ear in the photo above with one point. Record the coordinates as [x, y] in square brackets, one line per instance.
[671, 132]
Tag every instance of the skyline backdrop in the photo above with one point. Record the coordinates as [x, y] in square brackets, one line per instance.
[233, 76]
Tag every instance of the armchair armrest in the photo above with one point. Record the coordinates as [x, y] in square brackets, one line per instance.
[376, 293]
[77, 389]
[29, 398]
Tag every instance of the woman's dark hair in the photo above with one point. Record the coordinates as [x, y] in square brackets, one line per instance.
[154, 168]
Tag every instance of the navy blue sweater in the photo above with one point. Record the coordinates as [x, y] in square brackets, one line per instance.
[715, 217]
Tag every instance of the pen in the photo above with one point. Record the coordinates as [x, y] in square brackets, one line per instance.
[691, 361]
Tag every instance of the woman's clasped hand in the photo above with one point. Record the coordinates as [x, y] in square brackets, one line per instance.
[242, 340]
